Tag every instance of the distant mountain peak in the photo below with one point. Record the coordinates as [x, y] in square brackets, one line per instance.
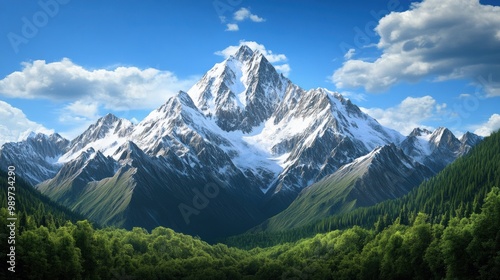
[108, 119]
[174, 108]
[241, 92]
[418, 131]
[443, 135]
[244, 53]
[470, 138]
[33, 135]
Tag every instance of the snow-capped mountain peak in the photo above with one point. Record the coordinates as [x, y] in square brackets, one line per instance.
[442, 136]
[420, 132]
[105, 135]
[241, 92]
[244, 53]
[436, 149]
[470, 139]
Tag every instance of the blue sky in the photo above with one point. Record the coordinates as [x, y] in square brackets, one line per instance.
[65, 63]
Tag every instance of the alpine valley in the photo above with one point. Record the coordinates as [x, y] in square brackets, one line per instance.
[243, 148]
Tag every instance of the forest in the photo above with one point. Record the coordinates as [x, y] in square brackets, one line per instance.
[467, 248]
[449, 227]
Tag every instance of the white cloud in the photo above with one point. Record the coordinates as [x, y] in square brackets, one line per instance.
[349, 54]
[492, 125]
[120, 89]
[410, 113]
[15, 126]
[278, 60]
[441, 39]
[284, 69]
[232, 27]
[244, 13]
[82, 108]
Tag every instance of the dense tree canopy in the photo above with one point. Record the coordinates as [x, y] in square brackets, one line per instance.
[467, 248]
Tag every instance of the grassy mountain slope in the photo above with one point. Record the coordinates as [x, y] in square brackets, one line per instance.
[385, 173]
[31, 203]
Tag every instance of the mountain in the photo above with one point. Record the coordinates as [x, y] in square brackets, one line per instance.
[299, 130]
[385, 173]
[34, 158]
[315, 132]
[232, 151]
[164, 183]
[107, 133]
[439, 148]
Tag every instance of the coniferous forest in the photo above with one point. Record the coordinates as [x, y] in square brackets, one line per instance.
[449, 227]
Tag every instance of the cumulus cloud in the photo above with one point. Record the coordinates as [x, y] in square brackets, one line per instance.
[122, 88]
[15, 126]
[437, 39]
[82, 108]
[410, 113]
[492, 125]
[232, 27]
[244, 13]
[278, 60]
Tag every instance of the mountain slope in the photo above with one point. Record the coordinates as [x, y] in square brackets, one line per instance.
[310, 131]
[458, 190]
[385, 173]
[31, 203]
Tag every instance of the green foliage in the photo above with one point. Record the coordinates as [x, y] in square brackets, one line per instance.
[467, 248]
[34, 209]
[34, 212]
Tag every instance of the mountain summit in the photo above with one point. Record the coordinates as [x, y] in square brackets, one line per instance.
[241, 92]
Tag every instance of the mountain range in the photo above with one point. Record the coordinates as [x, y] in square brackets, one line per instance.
[239, 147]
